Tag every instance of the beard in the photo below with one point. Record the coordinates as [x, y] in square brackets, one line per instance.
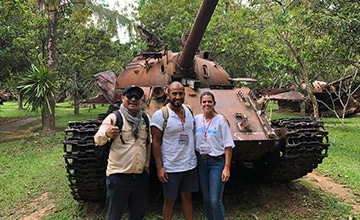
[176, 103]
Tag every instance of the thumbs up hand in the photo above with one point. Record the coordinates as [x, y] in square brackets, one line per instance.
[112, 130]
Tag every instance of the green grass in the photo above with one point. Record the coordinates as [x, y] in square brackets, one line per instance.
[343, 162]
[10, 110]
[32, 165]
[64, 112]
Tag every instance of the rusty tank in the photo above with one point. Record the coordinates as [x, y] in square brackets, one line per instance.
[336, 96]
[280, 150]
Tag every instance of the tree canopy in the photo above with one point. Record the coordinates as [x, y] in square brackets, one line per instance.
[278, 42]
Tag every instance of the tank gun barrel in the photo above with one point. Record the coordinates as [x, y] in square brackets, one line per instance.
[197, 32]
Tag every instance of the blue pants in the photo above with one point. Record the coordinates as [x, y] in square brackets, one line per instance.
[212, 188]
[130, 189]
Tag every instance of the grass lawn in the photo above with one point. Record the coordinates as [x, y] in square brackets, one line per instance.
[343, 163]
[33, 177]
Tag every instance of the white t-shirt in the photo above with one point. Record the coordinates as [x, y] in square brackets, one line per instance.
[218, 135]
[177, 149]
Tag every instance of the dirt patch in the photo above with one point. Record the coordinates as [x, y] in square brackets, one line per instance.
[40, 207]
[4, 121]
[328, 185]
[257, 200]
[16, 128]
[245, 197]
[10, 124]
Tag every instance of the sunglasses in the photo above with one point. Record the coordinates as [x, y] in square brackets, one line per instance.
[130, 96]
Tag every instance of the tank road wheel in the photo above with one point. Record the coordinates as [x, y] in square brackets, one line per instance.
[304, 145]
[87, 179]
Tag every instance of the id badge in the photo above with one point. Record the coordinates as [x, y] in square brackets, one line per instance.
[183, 139]
[204, 149]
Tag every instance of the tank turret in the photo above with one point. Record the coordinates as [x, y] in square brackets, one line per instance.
[162, 67]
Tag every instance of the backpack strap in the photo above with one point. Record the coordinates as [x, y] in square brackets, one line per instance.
[147, 122]
[190, 108]
[119, 123]
[166, 114]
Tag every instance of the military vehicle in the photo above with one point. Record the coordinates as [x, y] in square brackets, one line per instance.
[336, 96]
[280, 150]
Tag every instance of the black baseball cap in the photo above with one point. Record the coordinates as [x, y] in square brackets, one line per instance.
[133, 88]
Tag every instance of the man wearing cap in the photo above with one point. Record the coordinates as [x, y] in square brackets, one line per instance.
[127, 173]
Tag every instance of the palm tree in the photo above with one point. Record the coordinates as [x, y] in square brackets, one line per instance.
[52, 7]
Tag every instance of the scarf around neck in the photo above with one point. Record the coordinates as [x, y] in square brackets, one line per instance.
[134, 121]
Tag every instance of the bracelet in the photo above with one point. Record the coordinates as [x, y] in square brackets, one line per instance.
[227, 165]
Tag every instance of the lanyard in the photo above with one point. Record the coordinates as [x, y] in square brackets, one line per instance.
[204, 122]
[182, 118]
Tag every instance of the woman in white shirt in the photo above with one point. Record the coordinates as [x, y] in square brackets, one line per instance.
[214, 150]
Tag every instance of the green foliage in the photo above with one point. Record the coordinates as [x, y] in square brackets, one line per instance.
[168, 19]
[38, 87]
[109, 20]
[22, 33]
[50, 5]
[83, 53]
[338, 22]
[244, 39]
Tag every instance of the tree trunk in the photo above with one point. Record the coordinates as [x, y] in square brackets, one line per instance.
[48, 115]
[20, 102]
[76, 105]
[48, 111]
[311, 95]
[306, 77]
[52, 33]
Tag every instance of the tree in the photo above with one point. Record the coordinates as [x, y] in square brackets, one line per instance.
[38, 87]
[52, 7]
[168, 19]
[21, 32]
[320, 35]
[341, 101]
[338, 23]
[82, 54]
[282, 20]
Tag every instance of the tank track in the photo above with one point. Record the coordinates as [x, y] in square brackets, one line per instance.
[87, 178]
[304, 144]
